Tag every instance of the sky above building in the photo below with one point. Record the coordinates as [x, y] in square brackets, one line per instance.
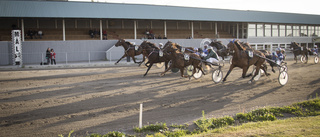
[288, 6]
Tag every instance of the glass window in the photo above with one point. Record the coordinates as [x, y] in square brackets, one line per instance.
[252, 30]
[275, 30]
[289, 31]
[267, 31]
[296, 31]
[304, 31]
[317, 28]
[259, 30]
[311, 30]
[282, 30]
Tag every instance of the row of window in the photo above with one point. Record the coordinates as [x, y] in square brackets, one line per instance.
[282, 30]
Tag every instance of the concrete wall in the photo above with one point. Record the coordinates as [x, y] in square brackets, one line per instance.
[98, 50]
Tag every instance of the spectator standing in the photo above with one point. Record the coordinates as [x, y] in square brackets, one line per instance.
[91, 33]
[53, 57]
[48, 56]
[40, 34]
[104, 33]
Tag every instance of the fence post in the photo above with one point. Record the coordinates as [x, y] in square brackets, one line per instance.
[89, 56]
[66, 57]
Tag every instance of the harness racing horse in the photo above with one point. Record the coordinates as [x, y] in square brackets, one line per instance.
[180, 60]
[154, 55]
[242, 60]
[299, 50]
[222, 50]
[129, 50]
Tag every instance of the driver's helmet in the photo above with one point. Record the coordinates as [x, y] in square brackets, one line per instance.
[315, 46]
[278, 49]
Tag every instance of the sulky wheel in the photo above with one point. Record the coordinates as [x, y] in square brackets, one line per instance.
[283, 78]
[198, 74]
[189, 70]
[316, 59]
[217, 75]
[303, 59]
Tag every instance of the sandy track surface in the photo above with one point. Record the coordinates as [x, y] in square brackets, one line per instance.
[48, 102]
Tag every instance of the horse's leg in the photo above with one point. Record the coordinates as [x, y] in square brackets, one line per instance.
[143, 59]
[256, 73]
[134, 60]
[120, 59]
[265, 68]
[181, 72]
[229, 71]
[163, 73]
[244, 72]
[295, 58]
[148, 69]
[166, 65]
[307, 57]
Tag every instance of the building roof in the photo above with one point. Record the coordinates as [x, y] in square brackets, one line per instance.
[62, 9]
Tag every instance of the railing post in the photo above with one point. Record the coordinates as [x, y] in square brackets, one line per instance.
[66, 57]
[89, 56]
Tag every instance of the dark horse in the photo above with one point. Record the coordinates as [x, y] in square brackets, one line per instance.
[299, 50]
[179, 61]
[222, 50]
[242, 60]
[129, 50]
[153, 53]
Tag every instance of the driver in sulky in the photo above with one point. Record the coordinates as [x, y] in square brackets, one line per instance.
[277, 56]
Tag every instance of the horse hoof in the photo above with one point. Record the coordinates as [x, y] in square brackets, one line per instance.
[161, 75]
[249, 82]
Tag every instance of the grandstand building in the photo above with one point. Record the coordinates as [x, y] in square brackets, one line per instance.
[66, 25]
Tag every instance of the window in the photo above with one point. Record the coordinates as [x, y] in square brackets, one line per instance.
[296, 31]
[311, 31]
[282, 30]
[267, 31]
[260, 30]
[252, 30]
[304, 31]
[275, 30]
[317, 30]
[289, 31]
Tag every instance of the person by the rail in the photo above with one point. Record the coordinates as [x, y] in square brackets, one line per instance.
[315, 50]
[277, 56]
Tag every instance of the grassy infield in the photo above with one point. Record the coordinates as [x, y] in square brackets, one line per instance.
[301, 119]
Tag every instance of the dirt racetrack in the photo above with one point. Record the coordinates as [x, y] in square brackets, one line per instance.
[48, 102]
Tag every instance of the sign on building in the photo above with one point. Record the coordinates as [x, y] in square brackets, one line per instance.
[16, 47]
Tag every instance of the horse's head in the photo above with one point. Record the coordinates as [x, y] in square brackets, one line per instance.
[294, 45]
[120, 42]
[230, 47]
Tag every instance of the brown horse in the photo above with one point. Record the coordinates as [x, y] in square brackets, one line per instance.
[185, 49]
[242, 60]
[299, 50]
[179, 61]
[153, 53]
[222, 50]
[129, 50]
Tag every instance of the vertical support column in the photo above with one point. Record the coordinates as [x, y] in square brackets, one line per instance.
[107, 24]
[237, 30]
[56, 23]
[165, 28]
[101, 30]
[135, 29]
[63, 30]
[215, 28]
[242, 32]
[192, 29]
[22, 29]
[37, 23]
[75, 23]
